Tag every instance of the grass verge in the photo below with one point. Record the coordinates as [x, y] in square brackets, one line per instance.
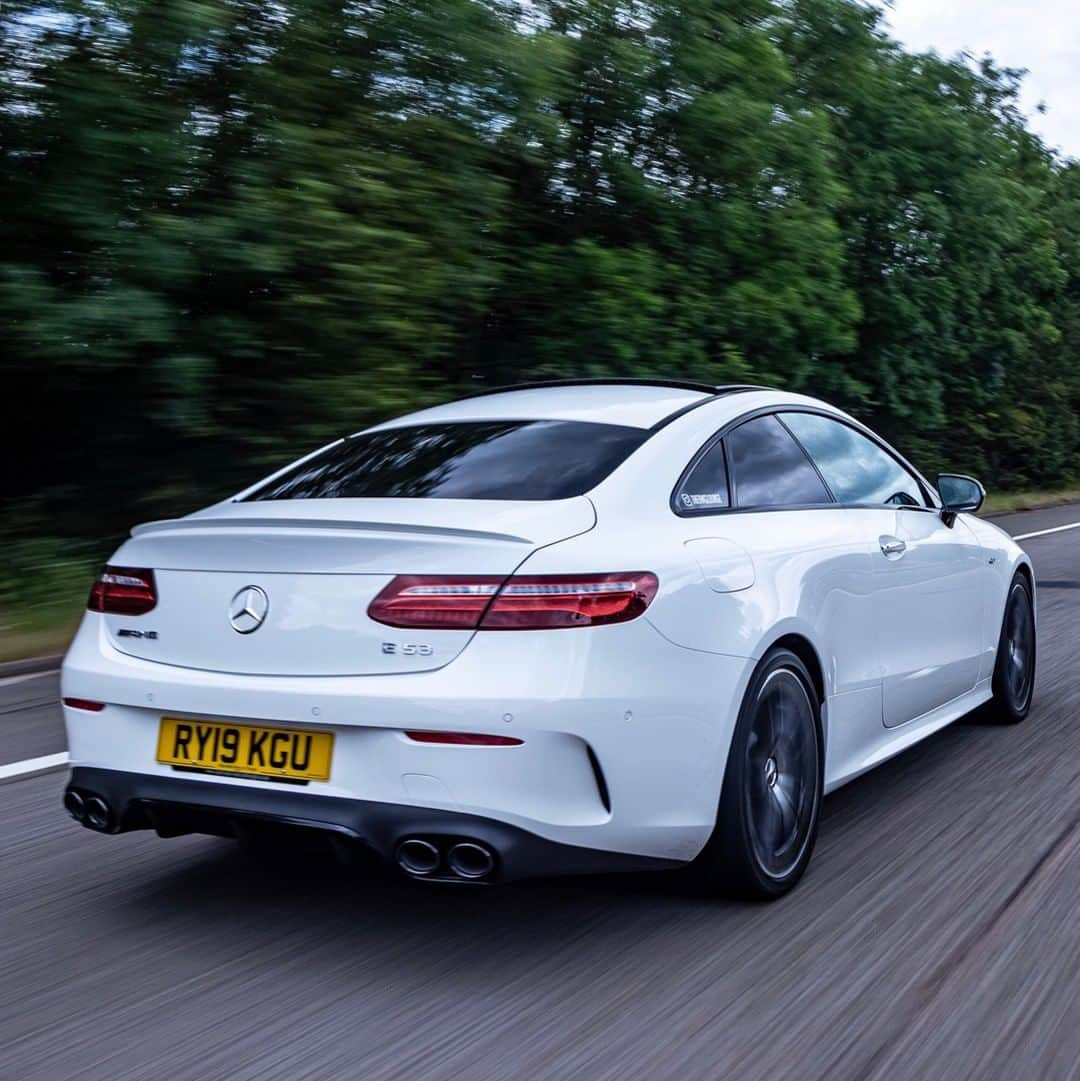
[1012, 502]
[40, 629]
[43, 590]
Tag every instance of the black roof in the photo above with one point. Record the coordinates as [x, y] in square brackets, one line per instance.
[677, 384]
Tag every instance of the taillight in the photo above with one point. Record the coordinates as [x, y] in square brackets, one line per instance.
[536, 602]
[123, 591]
[527, 602]
[451, 602]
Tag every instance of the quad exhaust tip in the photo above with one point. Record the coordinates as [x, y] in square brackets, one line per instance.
[97, 814]
[417, 857]
[92, 811]
[75, 805]
[469, 860]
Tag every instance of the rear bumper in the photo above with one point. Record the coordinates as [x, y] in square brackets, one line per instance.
[623, 704]
[178, 805]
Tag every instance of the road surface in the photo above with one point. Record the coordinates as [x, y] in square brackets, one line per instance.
[937, 934]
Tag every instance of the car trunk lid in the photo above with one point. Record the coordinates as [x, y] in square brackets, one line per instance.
[283, 588]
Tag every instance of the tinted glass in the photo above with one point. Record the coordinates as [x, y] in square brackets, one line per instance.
[706, 487]
[770, 468]
[545, 459]
[854, 467]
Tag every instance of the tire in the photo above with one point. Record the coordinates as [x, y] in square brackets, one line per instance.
[771, 797]
[1014, 669]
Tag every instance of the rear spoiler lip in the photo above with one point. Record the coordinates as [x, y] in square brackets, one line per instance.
[210, 524]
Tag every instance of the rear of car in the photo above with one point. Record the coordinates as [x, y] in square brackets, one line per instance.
[376, 643]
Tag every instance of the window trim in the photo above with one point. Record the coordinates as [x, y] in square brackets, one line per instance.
[931, 506]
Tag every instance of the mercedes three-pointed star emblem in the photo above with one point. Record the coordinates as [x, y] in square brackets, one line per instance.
[247, 609]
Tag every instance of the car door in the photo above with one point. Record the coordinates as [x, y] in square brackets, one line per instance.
[930, 577]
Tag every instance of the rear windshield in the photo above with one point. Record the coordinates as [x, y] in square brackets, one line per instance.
[538, 459]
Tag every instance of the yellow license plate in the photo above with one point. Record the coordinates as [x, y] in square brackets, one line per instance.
[246, 748]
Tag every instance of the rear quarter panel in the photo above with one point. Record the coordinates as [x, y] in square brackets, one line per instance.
[812, 577]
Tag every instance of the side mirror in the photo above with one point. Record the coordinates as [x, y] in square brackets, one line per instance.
[959, 495]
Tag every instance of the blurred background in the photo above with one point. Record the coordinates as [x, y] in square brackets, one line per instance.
[233, 230]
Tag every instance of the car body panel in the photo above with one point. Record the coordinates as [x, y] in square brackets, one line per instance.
[662, 755]
[1005, 558]
[931, 624]
[321, 568]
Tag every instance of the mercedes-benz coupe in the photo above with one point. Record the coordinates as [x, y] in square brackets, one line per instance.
[554, 629]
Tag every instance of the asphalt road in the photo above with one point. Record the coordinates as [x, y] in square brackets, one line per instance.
[937, 934]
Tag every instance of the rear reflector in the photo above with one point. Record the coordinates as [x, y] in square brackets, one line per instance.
[525, 603]
[465, 739]
[123, 591]
[84, 703]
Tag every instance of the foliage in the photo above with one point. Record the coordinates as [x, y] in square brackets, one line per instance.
[233, 229]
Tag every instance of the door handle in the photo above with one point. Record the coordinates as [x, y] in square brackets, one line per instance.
[892, 546]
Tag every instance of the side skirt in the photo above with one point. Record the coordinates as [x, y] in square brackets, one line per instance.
[896, 740]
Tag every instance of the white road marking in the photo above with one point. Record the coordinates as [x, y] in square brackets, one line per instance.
[9, 680]
[28, 767]
[1047, 532]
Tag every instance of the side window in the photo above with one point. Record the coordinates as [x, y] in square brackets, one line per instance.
[706, 487]
[855, 468]
[769, 469]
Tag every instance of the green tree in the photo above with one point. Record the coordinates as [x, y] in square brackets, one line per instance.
[235, 229]
[951, 246]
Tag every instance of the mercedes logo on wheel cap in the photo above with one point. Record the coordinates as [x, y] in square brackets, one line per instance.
[247, 609]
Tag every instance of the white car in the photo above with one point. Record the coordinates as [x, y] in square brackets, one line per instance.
[554, 629]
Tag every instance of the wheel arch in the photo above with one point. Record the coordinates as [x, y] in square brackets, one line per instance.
[805, 650]
[1023, 566]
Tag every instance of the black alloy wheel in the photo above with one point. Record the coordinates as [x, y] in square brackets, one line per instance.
[1014, 672]
[771, 798]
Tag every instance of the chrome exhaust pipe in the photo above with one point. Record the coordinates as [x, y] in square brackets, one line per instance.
[97, 814]
[416, 857]
[469, 860]
[74, 804]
